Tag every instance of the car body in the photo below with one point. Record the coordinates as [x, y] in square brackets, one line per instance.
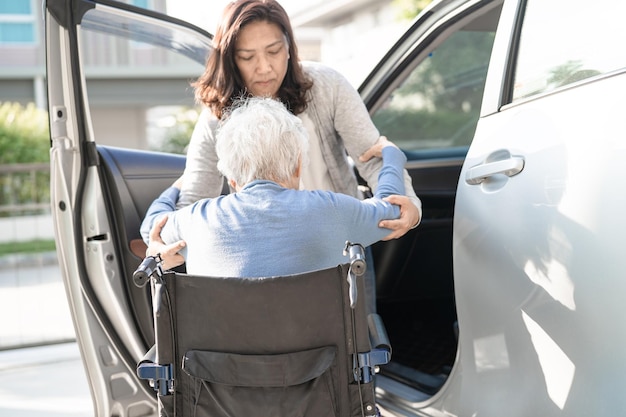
[505, 301]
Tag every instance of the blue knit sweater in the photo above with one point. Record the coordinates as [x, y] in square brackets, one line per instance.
[265, 229]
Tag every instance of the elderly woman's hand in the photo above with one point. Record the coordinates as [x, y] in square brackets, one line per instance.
[409, 217]
[377, 149]
[409, 212]
[170, 256]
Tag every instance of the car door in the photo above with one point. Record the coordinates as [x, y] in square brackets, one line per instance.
[538, 223]
[99, 194]
[426, 96]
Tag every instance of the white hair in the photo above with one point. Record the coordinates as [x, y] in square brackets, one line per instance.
[259, 139]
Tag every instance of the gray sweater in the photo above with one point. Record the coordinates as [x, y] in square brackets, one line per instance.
[341, 120]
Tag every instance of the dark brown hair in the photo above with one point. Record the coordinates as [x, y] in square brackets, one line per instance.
[221, 81]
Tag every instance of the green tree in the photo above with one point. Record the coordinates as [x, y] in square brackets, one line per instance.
[24, 134]
[24, 138]
[408, 9]
[439, 103]
[570, 72]
[178, 135]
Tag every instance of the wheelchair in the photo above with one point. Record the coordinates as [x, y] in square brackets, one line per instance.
[298, 345]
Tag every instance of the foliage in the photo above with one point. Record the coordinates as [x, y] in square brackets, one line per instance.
[24, 134]
[570, 72]
[439, 103]
[434, 129]
[32, 246]
[24, 193]
[455, 71]
[408, 9]
[178, 132]
[24, 138]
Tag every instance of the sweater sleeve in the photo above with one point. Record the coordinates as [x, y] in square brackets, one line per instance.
[356, 128]
[201, 178]
[351, 123]
[164, 204]
[391, 175]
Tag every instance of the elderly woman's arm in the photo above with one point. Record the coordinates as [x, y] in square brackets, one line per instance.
[153, 223]
[352, 122]
[410, 208]
[170, 254]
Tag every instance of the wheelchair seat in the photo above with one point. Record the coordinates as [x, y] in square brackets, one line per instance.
[298, 345]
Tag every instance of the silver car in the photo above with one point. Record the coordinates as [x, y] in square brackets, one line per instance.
[505, 301]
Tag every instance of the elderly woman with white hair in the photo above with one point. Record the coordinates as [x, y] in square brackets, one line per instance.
[269, 226]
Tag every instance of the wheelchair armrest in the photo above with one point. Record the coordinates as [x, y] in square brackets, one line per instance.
[366, 363]
[378, 333]
[149, 357]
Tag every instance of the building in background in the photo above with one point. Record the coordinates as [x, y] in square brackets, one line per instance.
[131, 86]
[22, 60]
[353, 34]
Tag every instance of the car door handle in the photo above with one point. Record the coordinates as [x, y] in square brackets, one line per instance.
[511, 166]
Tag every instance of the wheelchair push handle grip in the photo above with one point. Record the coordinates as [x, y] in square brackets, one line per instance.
[357, 267]
[145, 270]
[357, 258]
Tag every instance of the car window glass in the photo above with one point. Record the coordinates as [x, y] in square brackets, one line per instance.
[145, 4]
[437, 106]
[562, 42]
[138, 78]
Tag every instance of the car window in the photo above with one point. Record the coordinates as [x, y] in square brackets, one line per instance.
[438, 104]
[556, 47]
[138, 76]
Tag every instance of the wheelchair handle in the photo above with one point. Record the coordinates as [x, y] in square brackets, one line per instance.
[358, 267]
[357, 257]
[144, 271]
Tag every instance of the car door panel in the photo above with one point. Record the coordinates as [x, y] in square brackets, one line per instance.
[544, 259]
[131, 180]
[139, 177]
[100, 194]
[538, 274]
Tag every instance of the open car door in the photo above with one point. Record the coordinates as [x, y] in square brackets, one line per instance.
[99, 194]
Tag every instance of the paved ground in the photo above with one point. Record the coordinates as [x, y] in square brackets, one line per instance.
[44, 381]
[48, 380]
[33, 297]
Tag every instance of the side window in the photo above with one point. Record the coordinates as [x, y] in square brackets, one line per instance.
[138, 89]
[438, 105]
[587, 41]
